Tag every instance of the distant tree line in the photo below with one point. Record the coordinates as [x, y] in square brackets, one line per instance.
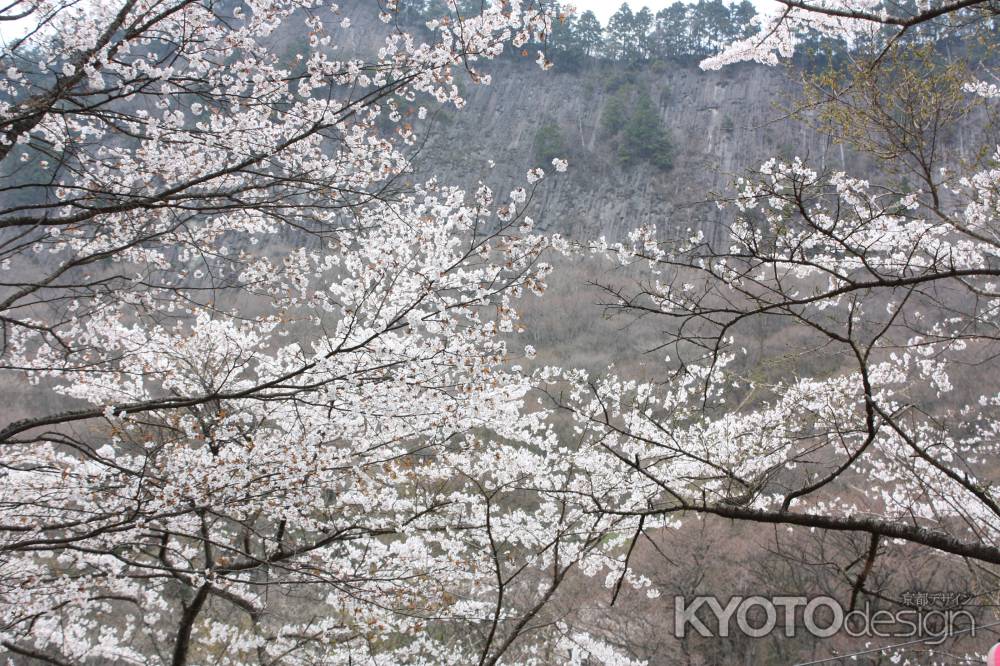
[699, 29]
[680, 31]
[640, 36]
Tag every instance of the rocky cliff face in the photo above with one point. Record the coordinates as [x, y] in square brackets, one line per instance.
[720, 124]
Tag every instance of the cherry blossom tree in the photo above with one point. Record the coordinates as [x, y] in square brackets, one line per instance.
[274, 414]
[831, 365]
[286, 424]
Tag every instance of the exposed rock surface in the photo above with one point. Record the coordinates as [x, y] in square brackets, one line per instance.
[720, 124]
